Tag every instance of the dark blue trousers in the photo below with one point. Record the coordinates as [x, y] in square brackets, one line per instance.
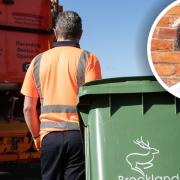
[62, 156]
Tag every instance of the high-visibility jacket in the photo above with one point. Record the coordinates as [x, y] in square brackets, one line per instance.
[55, 76]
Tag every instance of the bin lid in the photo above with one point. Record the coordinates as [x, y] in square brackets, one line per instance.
[121, 85]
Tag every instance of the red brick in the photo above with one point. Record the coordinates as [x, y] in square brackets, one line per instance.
[169, 57]
[167, 33]
[161, 44]
[178, 70]
[174, 11]
[155, 33]
[154, 57]
[164, 69]
[172, 81]
[165, 80]
[164, 21]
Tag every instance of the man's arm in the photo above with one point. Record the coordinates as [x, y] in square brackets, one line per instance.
[93, 69]
[30, 114]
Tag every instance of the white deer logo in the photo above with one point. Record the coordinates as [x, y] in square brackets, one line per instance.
[138, 161]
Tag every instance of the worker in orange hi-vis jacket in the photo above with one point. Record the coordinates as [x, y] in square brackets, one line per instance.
[55, 76]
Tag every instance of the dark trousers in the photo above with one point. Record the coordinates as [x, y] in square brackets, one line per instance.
[62, 156]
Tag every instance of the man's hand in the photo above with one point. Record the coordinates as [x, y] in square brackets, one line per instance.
[37, 142]
[31, 118]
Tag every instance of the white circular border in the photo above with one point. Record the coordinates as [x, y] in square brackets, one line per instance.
[149, 45]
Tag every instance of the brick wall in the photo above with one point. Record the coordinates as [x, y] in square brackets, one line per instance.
[164, 50]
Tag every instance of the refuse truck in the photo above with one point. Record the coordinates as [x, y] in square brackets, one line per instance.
[25, 30]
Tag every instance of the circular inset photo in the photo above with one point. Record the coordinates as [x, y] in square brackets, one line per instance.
[164, 48]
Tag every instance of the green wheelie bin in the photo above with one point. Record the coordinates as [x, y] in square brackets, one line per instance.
[131, 130]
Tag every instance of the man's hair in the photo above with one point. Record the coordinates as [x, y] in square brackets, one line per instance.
[69, 25]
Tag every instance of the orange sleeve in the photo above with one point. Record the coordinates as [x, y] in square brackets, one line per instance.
[93, 69]
[29, 86]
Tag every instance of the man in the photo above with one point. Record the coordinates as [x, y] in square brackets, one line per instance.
[55, 76]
